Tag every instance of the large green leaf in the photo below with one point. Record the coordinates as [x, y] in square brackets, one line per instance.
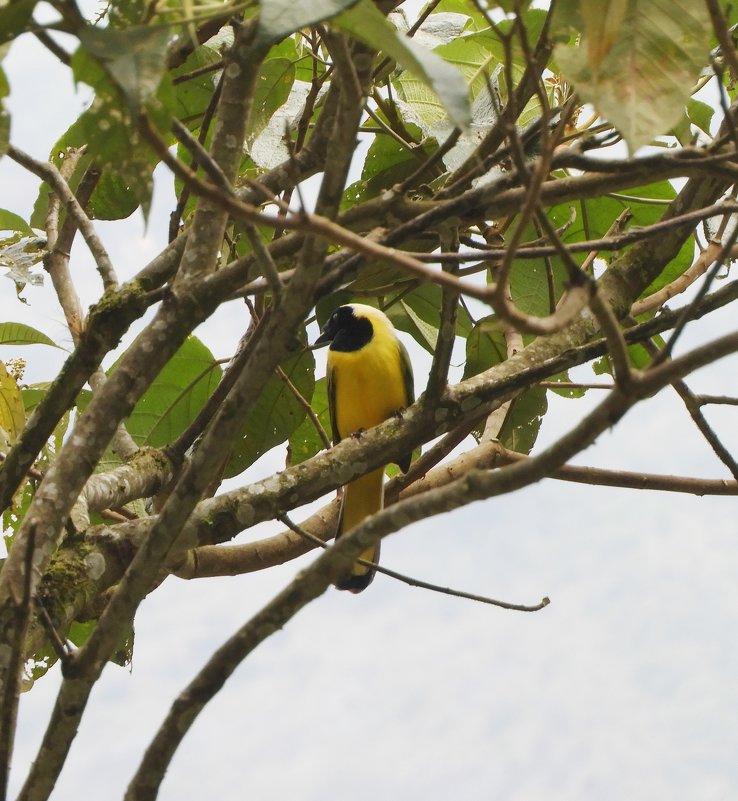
[536, 286]
[273, 85]
[564, 391]
[592, 219]
[109, 131]
[12, 222]
[637, 62]
[406, 319]
[176, 396]
[14, 18]
[485, 346]
[476, 20]
[193, 91]
[22, 334]
[276, 414]
[135, 57]
[418, 313]
[700, 114]
[523, 421]
[388, 162]
[366, 23]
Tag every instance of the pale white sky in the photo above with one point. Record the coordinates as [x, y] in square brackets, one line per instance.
[623, 688]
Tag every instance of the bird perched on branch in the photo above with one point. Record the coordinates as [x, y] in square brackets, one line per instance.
[369, 379]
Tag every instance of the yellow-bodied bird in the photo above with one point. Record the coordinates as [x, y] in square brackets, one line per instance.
[369, 379]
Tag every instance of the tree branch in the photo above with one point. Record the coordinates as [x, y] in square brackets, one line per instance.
[49, 173]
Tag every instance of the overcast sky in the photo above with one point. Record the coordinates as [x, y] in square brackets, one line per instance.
[624, 687]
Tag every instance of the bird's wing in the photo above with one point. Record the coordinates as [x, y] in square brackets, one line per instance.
[407, 377]
[331, 376]
[407, 374]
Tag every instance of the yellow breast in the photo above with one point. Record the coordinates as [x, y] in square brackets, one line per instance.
[368, 385]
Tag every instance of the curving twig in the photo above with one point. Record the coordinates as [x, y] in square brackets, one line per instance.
[50, 174]
[413, 582]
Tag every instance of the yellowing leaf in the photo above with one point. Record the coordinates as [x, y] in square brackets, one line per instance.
[12, 413]
[638, 65]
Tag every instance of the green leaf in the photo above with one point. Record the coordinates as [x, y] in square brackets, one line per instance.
[176, 396]
[418, 313]
[523, 422]
[112, 139]
[700, 114]
[567, 18]
[273, 85]
[592, 219]
[305, 440]
[109, 130]
[135, 57]
[276, 414]
[366, 23]
[14, 17]
[637, 62]
[112, 198]
[388, 162]
[38, 665]
[404, 318]
[566, 392]
[638, 357]
[79, 632]
[279, 18]
[485, 346]
[193, 95]
[426, 300]
[21, 334]
[531, 285]
[12, 222]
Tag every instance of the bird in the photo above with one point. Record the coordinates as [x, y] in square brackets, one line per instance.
[370, 378]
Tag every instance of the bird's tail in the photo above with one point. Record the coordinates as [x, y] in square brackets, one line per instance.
[361, 498]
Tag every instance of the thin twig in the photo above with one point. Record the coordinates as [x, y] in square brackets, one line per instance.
[50, 44]
[201, 156]
[60, 647]
[302, 400]
[609, 243]
[703, 400]
[413, 582]
[680, 284]
[722, 34]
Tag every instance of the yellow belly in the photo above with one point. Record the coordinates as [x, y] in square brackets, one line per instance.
[369, 387]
